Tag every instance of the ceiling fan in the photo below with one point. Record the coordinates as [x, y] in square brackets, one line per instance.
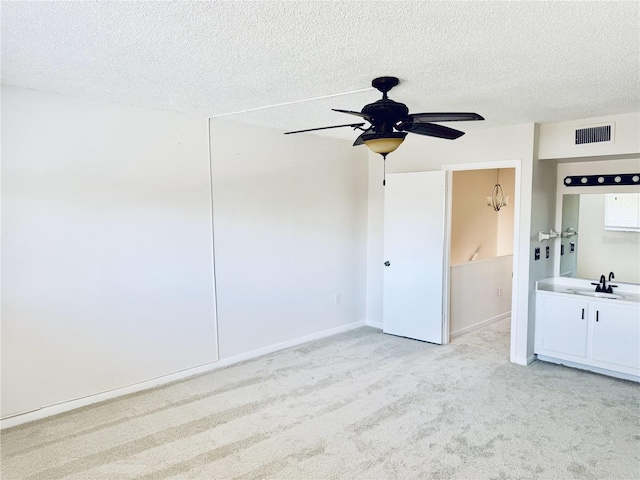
[391, 121]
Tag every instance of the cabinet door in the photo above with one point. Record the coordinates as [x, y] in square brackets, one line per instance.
[564, 326]
[616, 334]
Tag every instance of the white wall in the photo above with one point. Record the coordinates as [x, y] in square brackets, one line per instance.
[419, 153]
[107, 252]
[557, 140]
[480, 293]
[543, 203]
[375, 242]
[290, 216]
[107, 276]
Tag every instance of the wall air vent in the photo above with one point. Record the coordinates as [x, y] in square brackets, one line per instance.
[595, 134]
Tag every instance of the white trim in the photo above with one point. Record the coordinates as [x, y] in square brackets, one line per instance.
[446, 259]
[479, 261]
[289, 343]
[591, 368]
[30, 416]
[479, 325]
[374, 324]
[484, 165]
[213, 243]
[519, 319]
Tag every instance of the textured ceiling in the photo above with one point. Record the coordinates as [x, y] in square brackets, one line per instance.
[512, 62]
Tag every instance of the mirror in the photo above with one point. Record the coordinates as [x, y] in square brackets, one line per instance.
[599, 235]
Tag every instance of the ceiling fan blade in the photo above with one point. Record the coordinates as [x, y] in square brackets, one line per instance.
[444, 117]
[433, 130]
[358, 114]
[359, 140]
[354, 125]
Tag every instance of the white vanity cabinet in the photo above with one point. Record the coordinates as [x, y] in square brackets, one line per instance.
[602, 335]
[615, 335]
[562, 325]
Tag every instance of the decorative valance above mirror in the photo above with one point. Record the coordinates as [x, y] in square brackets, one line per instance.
[596, 180]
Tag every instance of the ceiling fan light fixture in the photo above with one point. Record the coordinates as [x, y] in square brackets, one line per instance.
[383, 143]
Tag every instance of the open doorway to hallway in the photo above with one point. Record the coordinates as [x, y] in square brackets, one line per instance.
[481, 250]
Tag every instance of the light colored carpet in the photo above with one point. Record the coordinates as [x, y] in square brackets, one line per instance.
[359, 405]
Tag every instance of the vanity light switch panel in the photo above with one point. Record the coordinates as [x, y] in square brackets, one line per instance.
[537, 254]
[546, 251]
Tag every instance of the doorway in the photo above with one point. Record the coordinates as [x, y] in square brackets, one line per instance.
[481, 248]
[493, 298]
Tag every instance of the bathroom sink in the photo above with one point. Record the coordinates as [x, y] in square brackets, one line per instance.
[591, 293]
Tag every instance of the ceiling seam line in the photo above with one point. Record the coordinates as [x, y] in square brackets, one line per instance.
[291, 103]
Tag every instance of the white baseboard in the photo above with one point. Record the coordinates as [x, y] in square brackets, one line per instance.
[481, 324]
[50, 410]
[591, 368]
[289, 343]
[374, 324]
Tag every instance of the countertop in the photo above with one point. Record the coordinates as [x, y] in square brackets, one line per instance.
[580, 287]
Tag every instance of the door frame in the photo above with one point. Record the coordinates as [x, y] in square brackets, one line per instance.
[515, 281]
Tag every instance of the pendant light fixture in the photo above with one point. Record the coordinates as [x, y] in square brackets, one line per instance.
[497, 200]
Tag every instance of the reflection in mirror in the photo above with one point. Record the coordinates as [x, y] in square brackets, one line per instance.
[592, 246]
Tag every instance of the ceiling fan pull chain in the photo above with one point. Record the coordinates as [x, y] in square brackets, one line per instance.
[384, 169]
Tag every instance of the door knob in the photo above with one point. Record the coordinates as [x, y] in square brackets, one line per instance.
[387, 263]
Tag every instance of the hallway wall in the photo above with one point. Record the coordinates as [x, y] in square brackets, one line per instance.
[476, 226]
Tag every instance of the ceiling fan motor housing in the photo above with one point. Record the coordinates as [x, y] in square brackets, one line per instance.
[385, 113]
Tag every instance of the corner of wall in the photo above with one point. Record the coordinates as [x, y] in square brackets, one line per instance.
[375, 247]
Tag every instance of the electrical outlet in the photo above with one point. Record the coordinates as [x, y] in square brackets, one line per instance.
[499, 291]
[546, 251]
[536, 255]
[337, 298]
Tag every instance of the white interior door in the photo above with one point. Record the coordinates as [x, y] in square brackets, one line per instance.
[414, 233]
